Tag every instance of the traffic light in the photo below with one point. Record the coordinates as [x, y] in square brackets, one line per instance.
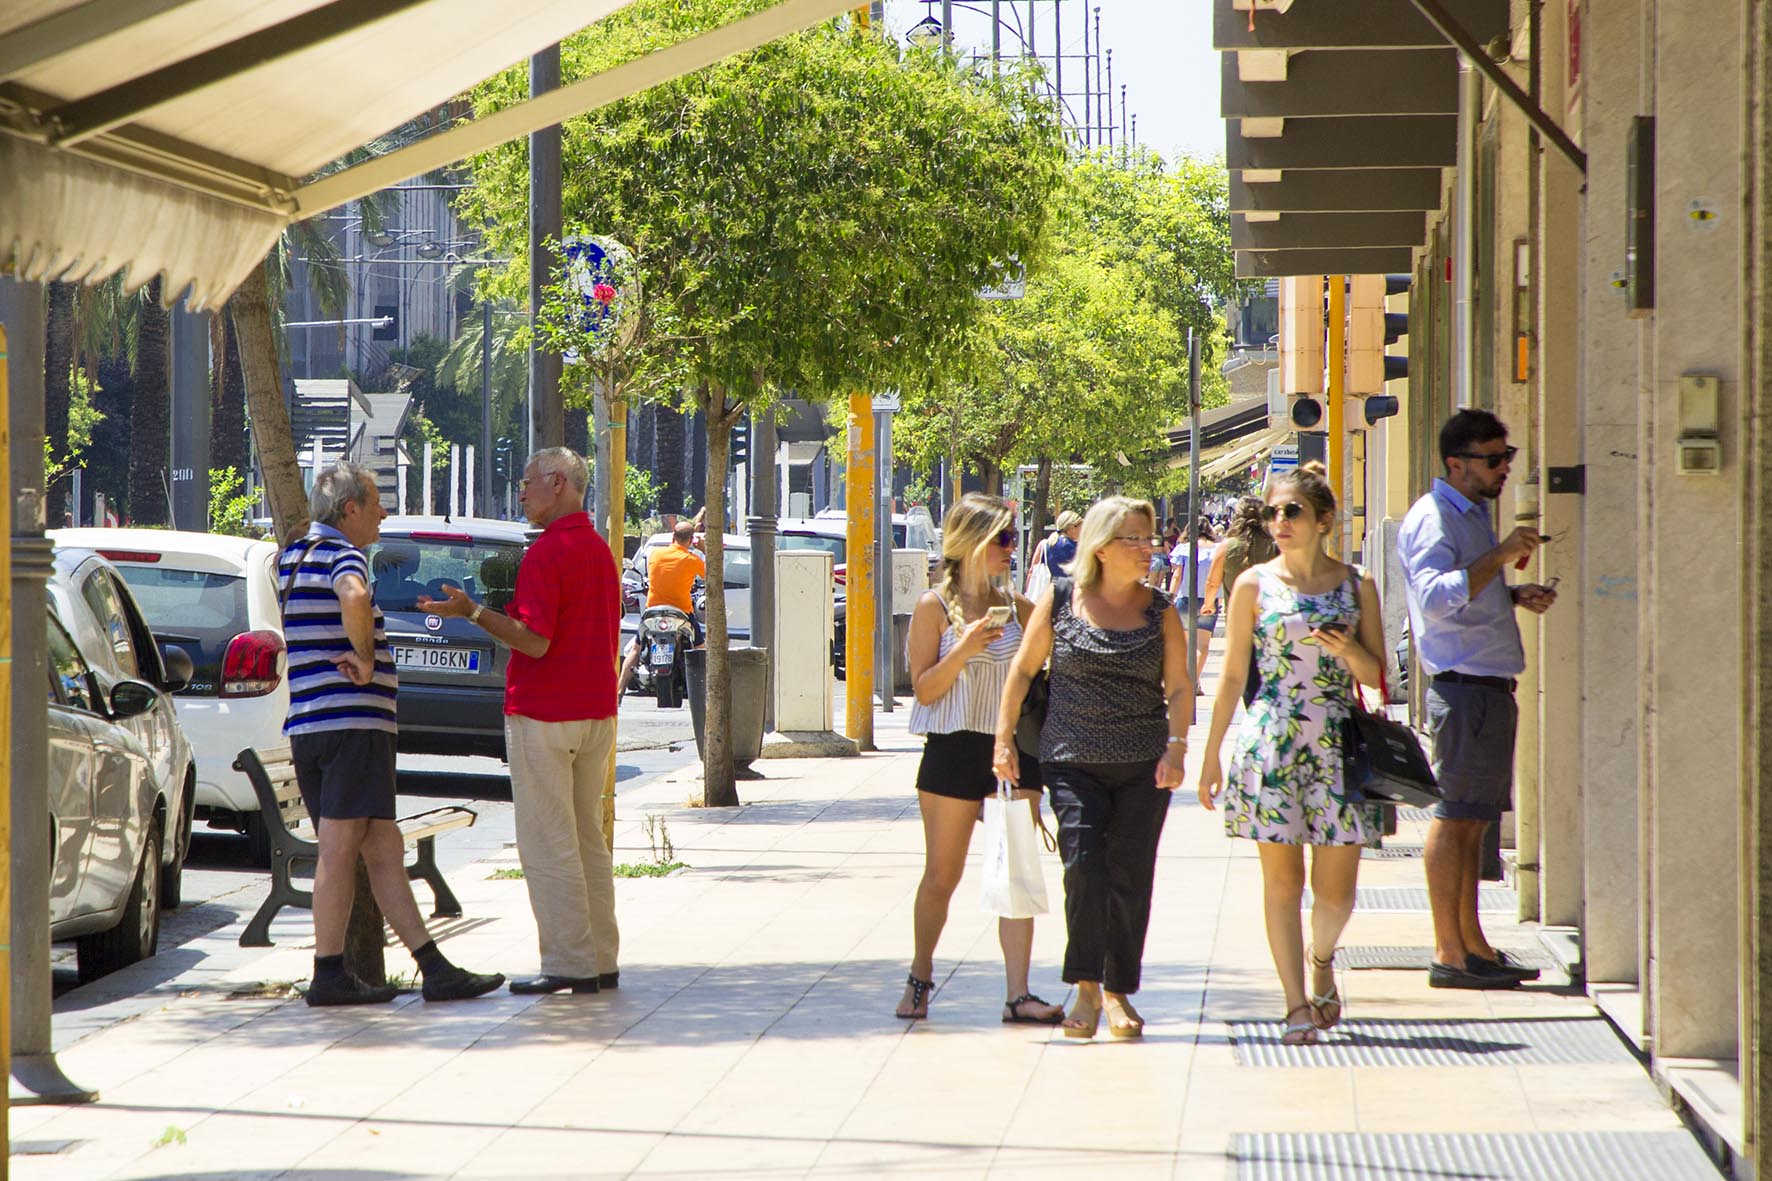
[1301, 352]
[1369, 329]
[501, 461]
[741, 444]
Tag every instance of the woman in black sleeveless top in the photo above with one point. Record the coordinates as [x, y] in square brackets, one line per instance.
[1111, 751]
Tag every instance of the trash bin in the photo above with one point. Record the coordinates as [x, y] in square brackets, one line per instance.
[750, 682]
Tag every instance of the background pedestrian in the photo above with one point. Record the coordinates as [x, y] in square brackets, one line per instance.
[964, 634]
[1315, 625]
[1467, 642]
[1246, 543]
[562, 627]
[1111, 750]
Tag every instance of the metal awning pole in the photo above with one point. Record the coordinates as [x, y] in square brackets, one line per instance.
[1193, 507]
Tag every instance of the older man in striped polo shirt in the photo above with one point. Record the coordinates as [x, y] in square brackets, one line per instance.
[341, 731]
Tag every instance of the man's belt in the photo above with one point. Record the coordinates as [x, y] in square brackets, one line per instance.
[1454, 678]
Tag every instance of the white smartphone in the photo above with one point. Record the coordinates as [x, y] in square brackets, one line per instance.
[999, 616]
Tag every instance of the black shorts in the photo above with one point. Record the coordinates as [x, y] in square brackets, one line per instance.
[958, 766]
[345, 774]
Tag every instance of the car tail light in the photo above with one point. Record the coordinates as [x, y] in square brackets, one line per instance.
[451, 538]
[250, 667]
[129, 555]
[839, 573]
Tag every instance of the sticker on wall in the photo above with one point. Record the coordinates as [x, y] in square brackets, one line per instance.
[1702, 214]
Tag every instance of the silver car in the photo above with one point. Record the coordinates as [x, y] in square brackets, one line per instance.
[90, 598]
[107, 812]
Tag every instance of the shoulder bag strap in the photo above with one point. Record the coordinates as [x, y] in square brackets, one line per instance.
[294, 572]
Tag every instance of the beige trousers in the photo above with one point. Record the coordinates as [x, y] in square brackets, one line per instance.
[557, 771]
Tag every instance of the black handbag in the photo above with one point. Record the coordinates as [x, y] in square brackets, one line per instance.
[1033, 706]
[1382, 760]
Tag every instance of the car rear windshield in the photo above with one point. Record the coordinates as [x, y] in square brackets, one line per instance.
[198, 610]
[405, 568]
[831, 545]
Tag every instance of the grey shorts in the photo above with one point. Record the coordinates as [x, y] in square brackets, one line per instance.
[345, 774]
[1472, 727]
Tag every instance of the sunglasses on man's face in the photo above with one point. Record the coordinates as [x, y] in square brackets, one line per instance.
[1505, 455]
[1291, 510]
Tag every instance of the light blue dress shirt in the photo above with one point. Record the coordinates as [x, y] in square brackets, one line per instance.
[1442, 536]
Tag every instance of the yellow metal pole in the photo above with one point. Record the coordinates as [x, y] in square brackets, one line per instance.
[1336, 358]
[858, 684]
[5, 762]
[614, 530]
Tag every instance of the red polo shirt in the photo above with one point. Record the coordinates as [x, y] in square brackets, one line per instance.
[568, 591]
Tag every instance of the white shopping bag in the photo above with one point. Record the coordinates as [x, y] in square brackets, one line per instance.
[1014, 886]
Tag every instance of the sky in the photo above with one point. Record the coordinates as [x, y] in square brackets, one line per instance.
[1162, 53]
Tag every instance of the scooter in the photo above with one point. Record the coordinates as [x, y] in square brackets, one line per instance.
[666, 636]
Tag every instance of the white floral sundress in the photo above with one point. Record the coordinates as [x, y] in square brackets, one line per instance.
[1283, 784]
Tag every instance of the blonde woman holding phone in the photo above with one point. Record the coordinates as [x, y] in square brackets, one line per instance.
[964, 635]
[1112, 749]
[1314, 625]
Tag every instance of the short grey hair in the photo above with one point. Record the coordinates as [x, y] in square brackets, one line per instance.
[342, 484]
[566, 463]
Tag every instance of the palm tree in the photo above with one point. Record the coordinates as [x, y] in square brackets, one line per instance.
[150, 435]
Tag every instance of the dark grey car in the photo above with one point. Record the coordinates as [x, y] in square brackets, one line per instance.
[452, 675]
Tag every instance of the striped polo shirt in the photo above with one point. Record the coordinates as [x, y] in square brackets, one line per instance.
[320, 697]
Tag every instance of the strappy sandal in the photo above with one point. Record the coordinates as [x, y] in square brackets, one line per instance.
[1300, 1033]
[920, 993]
[1012, 1014]
[1088, 1017]
[1325, 1008]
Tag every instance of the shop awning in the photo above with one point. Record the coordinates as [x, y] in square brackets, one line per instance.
[174, 136]
[1222, 461]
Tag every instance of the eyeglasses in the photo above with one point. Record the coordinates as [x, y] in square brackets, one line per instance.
[1006, 539]
[1291, 510]
[1494, 461]
[1136, 539]
[524, 483]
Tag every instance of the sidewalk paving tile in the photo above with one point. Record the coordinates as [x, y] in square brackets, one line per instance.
[754, 1036]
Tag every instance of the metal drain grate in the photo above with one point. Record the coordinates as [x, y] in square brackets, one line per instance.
[1414, 815]
[1398, 1042]
[1394, 852]
[1402, 958]
[1522, 1156]
[1498, 899]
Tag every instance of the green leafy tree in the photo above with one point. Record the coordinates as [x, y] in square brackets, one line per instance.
[230, 506]
[816, 215]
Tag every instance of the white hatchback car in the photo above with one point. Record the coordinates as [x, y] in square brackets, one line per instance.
[216, 597]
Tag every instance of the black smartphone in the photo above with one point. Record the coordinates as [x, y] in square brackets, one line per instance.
[1337, 628]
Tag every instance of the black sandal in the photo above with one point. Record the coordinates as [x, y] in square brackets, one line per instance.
[1012, 1011]
[920, 992]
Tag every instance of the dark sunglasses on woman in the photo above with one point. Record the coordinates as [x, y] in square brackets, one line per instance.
[1291, 510]
[1006, 539]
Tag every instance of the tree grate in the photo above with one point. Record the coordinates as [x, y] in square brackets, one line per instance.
[1393, 852]
[1516, 1156]
[1379, 1041]
[1406, 959]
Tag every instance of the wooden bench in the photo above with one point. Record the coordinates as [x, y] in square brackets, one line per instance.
[272, 775]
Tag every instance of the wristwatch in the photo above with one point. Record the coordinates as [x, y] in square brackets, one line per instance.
[474, 615]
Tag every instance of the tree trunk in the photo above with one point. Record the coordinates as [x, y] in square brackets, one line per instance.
[578, 431]
[668, 443]
[1042, 492]
[700, 426]
[149, 425]
[719, 782]
[365, 939]
[58, 386]
[271, 434]
[227, 412]
[992, 476]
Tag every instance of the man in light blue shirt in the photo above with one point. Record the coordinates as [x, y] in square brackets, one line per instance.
[1461, 614]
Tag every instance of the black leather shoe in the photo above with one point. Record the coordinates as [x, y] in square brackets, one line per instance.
[347, 989]
[609, 981]
[451, 983]
[538, 985]
[1445, 976]
[1512, 965]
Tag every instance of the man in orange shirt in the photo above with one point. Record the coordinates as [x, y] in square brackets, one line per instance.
[670, 578]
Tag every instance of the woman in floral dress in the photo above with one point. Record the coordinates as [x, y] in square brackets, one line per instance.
[1316, 629]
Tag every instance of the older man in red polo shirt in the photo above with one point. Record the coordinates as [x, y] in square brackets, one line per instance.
[562, 627]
